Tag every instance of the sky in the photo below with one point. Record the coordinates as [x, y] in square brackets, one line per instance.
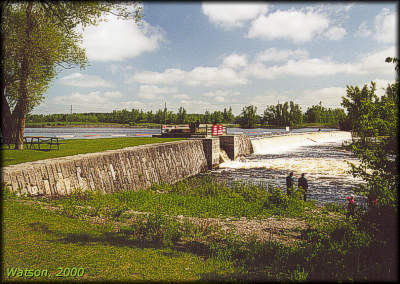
[210, 56]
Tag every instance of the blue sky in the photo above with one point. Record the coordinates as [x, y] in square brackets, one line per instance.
[207, 56]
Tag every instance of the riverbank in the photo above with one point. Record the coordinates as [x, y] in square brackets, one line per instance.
[167, 234]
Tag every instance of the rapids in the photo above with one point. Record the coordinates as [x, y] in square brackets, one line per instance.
[319, 155]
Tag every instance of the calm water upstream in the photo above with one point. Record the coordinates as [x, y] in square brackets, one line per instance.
[108, 132]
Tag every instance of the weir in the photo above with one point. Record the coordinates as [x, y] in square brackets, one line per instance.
[137, 167]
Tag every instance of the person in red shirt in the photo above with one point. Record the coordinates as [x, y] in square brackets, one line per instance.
[351, 206]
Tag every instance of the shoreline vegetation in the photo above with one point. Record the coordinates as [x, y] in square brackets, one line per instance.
[63, 124]
[197, 229]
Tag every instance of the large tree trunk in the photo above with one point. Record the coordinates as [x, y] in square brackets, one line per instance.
[22, 105]
[7, 122]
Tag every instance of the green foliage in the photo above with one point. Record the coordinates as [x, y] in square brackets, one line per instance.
[37, 39]
[287, 114]
[248, 117]
[320, 114]
[375, 127]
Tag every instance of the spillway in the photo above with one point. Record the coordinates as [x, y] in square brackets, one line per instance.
[319, 155]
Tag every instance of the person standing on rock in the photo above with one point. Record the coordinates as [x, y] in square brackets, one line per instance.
[303, 184]
[289, 184]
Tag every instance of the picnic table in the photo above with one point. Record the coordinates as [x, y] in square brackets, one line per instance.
[31, 141]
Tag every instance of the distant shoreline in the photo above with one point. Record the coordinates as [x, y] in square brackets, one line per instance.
[154, 127]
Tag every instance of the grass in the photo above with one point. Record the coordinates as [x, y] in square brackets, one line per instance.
[196, 197]
[77, 146]
[159, 246]
[37, 239]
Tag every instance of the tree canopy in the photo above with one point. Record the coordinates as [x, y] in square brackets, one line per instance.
[39, 39]
[375, 128]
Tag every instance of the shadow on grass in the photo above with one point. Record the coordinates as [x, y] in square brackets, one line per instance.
[251, 277]
[119, 239]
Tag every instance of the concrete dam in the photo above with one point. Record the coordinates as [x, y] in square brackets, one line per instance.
[139, 167]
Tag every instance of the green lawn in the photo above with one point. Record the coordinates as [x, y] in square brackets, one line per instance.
[35, 238]
[77, 146]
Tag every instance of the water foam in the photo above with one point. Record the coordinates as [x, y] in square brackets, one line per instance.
[283, 144]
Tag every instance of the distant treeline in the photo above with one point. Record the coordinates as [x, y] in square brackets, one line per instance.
[286, 114]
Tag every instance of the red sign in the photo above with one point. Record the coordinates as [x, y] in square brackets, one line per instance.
[217, 129]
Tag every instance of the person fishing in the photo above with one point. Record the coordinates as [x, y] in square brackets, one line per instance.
[303, 184]
[351, 205]
[289, 184]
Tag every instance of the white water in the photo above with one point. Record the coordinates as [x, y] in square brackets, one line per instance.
[318, 154]
[282, 144]
[223, 156]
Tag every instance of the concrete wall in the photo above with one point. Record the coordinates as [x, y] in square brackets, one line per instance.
[236, 145]
[130, 168]
[211, 148]
[125, 169]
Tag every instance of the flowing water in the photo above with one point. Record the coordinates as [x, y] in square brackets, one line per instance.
[319, 155]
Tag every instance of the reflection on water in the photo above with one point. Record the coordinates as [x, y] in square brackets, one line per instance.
[326, 166]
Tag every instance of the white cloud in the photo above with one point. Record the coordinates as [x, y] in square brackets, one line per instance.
[272, 54]
[151, 91]
[113, 94]
[235, 61]
[385, 26]
[206, 76]
[82, 80]
[169, 76]
[374, 62]
[211, 76]
[330, 97]
[335, 33]
[117, 39]
[363, 30]
[181, 97]
[86, 102]
[230, 15]
[221, 95]
[310, 67]
[295, 25]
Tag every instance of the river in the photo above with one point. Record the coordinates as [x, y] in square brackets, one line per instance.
[320, 157]
[109, 132]
[323, 160]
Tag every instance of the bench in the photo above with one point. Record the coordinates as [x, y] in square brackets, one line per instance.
[31, 141]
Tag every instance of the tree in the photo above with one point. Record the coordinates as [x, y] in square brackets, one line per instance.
[181, 116]
[248, 117]
[375, 123]
[39, 39]
[228, 117]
